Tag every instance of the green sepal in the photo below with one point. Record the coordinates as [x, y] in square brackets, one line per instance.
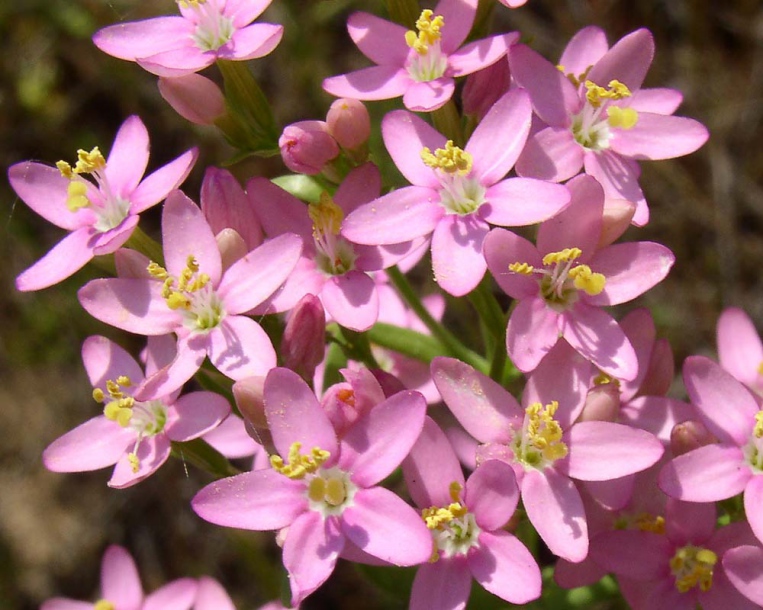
[406, 341]
[202, 455]
[304, 188]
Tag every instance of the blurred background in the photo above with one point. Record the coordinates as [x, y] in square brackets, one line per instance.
[59, 93]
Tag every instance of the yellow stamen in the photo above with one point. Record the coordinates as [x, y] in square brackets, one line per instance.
[190, 3]
[544, 432]
[104, 604]
[189, 282]
[693, 566]
[758, 429]
[624, 118]
[435, 516]
[326, 215]
[450, 159]
[428, 26]
[596, 94]
[89, 162]
[134, 462]
[574, 79]
[76, 196]
[586, 280]
[566, 255]
[299, 465]
[98, 395]
[648, 523]
[522, 268]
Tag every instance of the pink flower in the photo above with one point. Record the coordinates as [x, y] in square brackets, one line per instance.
[121, 589]
[466, 521]
[680, 569]
[735, 464]
[324, 489]
[101, 215]
[205, 31]
[197, 300]
[562, 283]
[740, 350]
[596, 116]
[133, 434]
[419, 65]
[541, 442]
[456, 194]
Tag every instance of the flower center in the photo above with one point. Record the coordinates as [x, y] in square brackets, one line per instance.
[753, 450]
[539, 443]
[335, 255]
[146, 419]
[110, 210]
[645, 522]
[693, 566]
[192, 295]
[104, 604]
[459, 193]
[427, 61]
[453, 527]
[329, 490]
[561, 279]
[591, 126]
[213, 29]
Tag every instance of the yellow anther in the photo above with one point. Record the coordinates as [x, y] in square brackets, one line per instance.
[187, 283]
[450, 159]
[586, 280]
[758, 429]
[65, 169]
[428, 26]
[436, 516]
[522, 268]
[596, 94]
[98, 395]
[299, 465]
[693, 566]
[76, 196]
[157, 271]
[624, 118]
[190, 3]
[134, 462]
[336, 492]
[89, 162]
[561, 69]
[104, 604]
[124, 415]
[574, 79]
[602, 379]
[566, 255]
[112, 387]
[544, 432]
[326, 215]
[648, 523]
[124, 381]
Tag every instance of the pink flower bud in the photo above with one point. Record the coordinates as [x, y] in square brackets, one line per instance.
[689, 435]
[194, 97]
[602, 403]
[484, 87]
[618, 214]
[232, 247]
[226, 206]
[248, 394]
[307, 146]
[304, 339]
[660, 371]
[348, 121]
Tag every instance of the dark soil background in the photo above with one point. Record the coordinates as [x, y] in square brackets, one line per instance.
[59, 93]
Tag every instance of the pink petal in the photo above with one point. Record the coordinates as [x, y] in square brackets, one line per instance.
[408, 213]
[376, 443]
[627, 61]
[657, 100]
[429, 95]
[178, 61]
[198, 413]
[708, 474]
[492, 494]
[252, 42]
[556, 511]
[212, 596]
[294, 414]
[279, 211]
[231, 439]
[60, 603]
[253, 278]
[504, 566]
[382, 41]
[480, 54]
[583, 50]
[744, 568]
[44, 190]
[532, 331]
[152, 452]
[656, 414]
[105, 360]
[243, 12]
[120, 582]
[260, 500]
[442, 585]
[310, 553]
[501, 249]
[132, 305]
[239, 348]
[639, 555]
[690, 522]
[656, 136]
[619, 177]
[740, 350]
[157, 185]
[65, 258]
[138, 39]
[351, 300]
[128, 158]
[179, 594]
[551, 154]
[374, 83]
[430, 468]
[457, 258]
[519, 202]
[727, 408]
[597, 336]
[753, 497]
[95, 444]
[405, 136]
[191, 352]
[481, 405]
[458, 16]
[185, 234]
[599, 451]
[225, 205]
[361, 185]
[383, 525]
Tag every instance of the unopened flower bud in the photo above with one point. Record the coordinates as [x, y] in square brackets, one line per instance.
[307, 146]
[618, 214]
[602, 403]
[304, 339]
[485, 87]
[226, 206]
[660, 371]
[348, 121]
[194, 97]
[248, 393]
[689, 435]
[232, 247]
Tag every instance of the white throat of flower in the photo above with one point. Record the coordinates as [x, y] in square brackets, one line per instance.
[146, 419]
[460, 192]
[426, 61]
[192, 295]
[334, 254]
[111, 209]
[591, 127]
[561, 278]
[453, 527]
[213, 28]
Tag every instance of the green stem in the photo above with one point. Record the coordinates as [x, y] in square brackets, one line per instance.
[452, 345]
[404, 12]
[145, 245]
[200, 454]
[490, 313]
[448, 122]
[405, 341]
[480, 29]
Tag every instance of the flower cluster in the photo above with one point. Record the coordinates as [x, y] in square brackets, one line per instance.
[289, 297]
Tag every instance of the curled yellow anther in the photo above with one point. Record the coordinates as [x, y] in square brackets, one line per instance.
[326, 215]
[596, 94]
[544, 432]
[299, 465]
[522, 268]
[758, 429]
[586, 280]
[693, 566]
[450, 159]
[568, 254]
[428, 26]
